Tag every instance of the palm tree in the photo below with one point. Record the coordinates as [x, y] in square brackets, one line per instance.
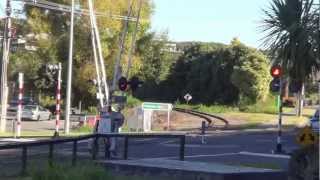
[292, 36]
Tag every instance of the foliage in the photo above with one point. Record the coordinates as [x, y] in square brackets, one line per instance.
[48, 30]
[132, 102]
[224, 75]
[213, 109]
[250, 75]
[268, 106]
[292, 35]
[85, 171]
[63, 172]
[155, 60]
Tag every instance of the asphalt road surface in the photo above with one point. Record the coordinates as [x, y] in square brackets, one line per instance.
[247, 148]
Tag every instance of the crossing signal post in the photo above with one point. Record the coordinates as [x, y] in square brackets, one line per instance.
[276, 86]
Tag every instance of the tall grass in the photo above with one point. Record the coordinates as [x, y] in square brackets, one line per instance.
[64, 172]
[267, 107]
[85, 171]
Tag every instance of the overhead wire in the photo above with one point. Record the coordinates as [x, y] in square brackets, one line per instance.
[67, 9]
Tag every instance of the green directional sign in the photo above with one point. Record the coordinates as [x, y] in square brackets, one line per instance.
[156, 106]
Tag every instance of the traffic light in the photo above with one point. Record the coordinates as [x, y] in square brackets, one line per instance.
[123, 84]
[276, 71]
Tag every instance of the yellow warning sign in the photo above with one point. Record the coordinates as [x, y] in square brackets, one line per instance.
[307, 137]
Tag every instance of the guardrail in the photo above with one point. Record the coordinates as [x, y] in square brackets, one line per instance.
[51, 142]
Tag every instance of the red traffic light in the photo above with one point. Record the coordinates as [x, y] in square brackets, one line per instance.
[276, 71]
[123, 84]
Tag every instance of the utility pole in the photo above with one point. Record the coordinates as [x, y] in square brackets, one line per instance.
[133, 42]
[4, 66]
[69, 83]
[117, 67]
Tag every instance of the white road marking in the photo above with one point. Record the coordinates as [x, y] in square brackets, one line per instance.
[265, 155]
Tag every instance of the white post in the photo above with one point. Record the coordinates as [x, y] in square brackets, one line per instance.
[95, 56]
[18, 130]
[5, 61]
[58, 98]
[97, 35]
[69, 84]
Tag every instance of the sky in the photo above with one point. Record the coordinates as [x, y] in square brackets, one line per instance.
[207, 20]
[210, 20]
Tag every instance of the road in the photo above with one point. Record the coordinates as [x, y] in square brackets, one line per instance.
[248, 148]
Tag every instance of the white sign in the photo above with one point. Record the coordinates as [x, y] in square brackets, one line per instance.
[156, 106]
[187, 97]
[100, 96]
[149, 107]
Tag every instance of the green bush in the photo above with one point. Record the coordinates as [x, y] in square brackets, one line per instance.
[268, 106]
[132, 102]
[47, 101]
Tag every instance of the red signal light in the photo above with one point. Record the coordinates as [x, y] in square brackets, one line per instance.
[123, 84]
[276, 71]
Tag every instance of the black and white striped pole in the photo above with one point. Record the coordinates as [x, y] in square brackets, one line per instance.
[58, 68]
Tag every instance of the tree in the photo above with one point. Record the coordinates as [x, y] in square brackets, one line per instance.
[250, 74]
[50, 30]
[293, 38]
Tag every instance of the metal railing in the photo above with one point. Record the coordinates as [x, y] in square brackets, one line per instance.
[52, 142]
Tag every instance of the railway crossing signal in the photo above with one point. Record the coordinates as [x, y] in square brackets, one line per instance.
[276, 71]
[123, 84]
[134, 83]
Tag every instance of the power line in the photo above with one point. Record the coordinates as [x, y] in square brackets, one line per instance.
[67, 9]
